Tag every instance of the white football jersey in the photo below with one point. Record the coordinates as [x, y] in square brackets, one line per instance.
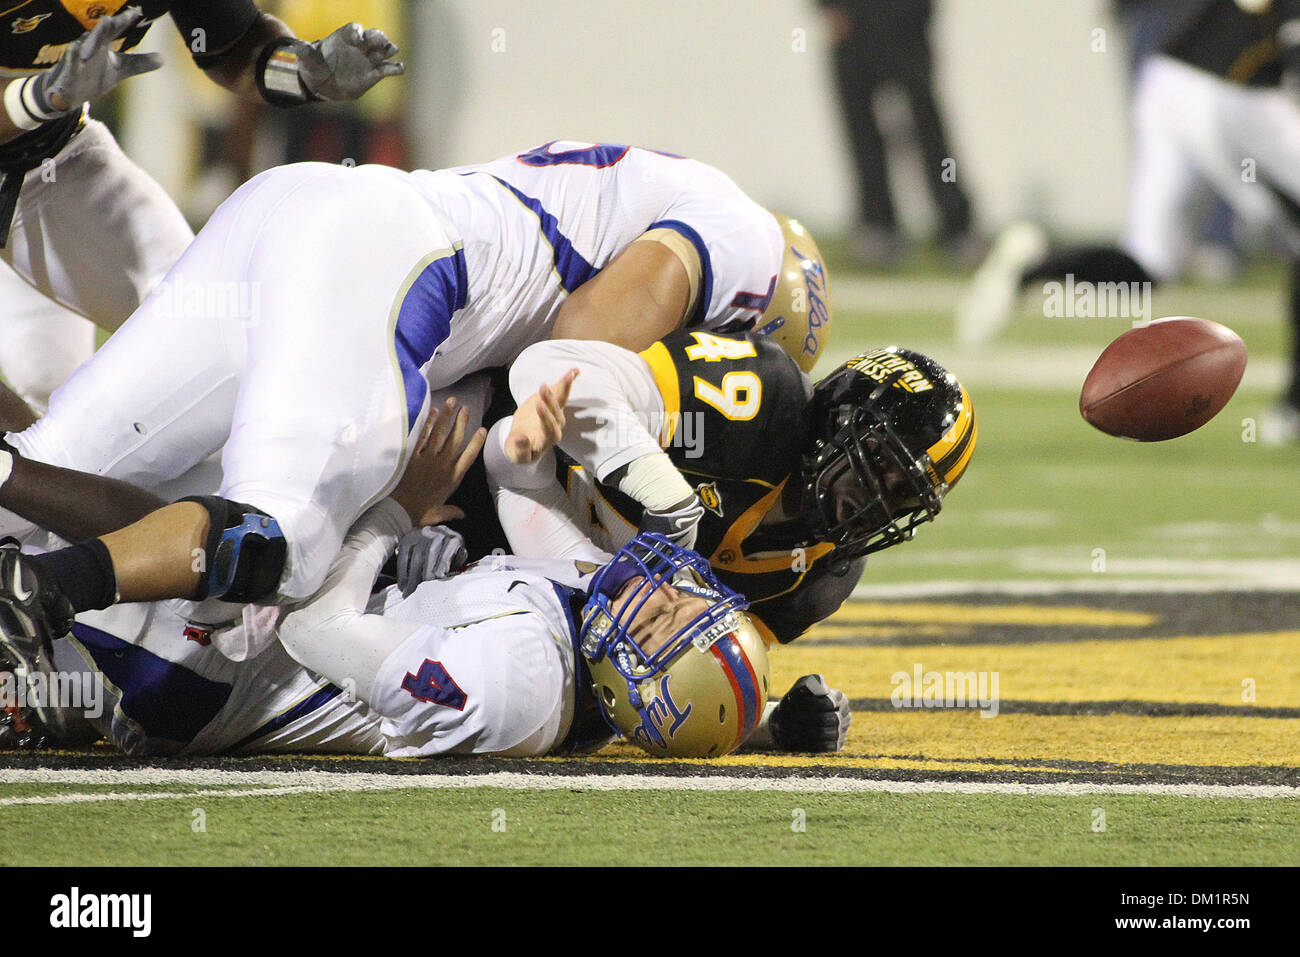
[496, 674]
[535, 226]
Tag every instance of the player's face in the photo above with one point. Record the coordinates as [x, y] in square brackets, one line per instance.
[852, 499]
[664, 613]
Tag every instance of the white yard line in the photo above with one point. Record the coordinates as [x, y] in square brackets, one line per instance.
[320, 782]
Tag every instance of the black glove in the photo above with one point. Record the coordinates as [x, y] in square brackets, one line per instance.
[811, 717]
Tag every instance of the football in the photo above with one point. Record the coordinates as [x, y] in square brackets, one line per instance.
[1164, 379]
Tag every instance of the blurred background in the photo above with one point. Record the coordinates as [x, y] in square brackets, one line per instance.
[1036, 118]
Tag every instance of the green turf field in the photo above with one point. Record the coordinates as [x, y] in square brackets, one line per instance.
[531, 828]
[1139, 604]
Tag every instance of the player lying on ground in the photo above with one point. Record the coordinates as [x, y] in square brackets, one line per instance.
[723, 444]
[355, 291]
[715, 442]
[510, 657]
[90, 229]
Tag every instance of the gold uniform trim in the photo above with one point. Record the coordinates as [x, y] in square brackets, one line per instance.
[686, 254]
[739, 531]
[665, 376]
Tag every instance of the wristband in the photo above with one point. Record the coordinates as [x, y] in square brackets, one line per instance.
[278, 78]
[22, 110]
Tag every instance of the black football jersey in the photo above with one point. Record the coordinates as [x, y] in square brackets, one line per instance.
[34, 34]
[1236, 41]
[734, 407]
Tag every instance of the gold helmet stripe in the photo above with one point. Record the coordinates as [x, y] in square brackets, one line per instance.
[665, 376]
[956, 471]
[951, 453]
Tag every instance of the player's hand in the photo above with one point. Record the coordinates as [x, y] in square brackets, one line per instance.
[427, 554]
[538, 424]
[811, 717]
[440, 460]
[679, 524]
[89, 67]
[347, 63]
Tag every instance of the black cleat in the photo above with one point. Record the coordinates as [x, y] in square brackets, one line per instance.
[33, 613]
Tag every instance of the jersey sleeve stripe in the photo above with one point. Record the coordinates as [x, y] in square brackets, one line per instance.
[665, 376]
[572, 269]
[706, 268]
[754, 300]
[436, 289]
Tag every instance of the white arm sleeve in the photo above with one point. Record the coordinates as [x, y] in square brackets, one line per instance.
[613, 419]
[331, 633]
[615, 412]
[536, 515]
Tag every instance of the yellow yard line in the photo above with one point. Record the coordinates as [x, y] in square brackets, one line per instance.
[1122, 739]
[1212, 669]
[968, 614]
[966, 742]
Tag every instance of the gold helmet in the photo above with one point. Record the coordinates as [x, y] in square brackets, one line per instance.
[798, 308]
[700, 693]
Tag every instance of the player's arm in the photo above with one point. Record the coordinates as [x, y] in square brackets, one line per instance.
[257, 57]
[88, 69]
[646, 292]
[73, 505]
[519, 459]
[786, 617]
[611, 409]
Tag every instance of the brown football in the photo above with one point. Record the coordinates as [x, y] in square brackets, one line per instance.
[1164, 379]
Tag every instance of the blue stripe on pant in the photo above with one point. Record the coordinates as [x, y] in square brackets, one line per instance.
[163, 699]
[424, 322]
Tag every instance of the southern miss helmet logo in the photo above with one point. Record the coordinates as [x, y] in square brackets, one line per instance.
[709, 497]
[879, 366]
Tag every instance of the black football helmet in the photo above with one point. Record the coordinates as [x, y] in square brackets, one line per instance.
[890, 432]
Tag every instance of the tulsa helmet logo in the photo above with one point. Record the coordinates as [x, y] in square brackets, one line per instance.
[659, 712]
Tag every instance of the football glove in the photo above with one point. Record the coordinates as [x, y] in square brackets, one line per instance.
[90, 67]
[426, 554]
[678, 524]
[811, 717]
[346, 63]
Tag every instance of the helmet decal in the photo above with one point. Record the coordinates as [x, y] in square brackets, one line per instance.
[797, 307]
